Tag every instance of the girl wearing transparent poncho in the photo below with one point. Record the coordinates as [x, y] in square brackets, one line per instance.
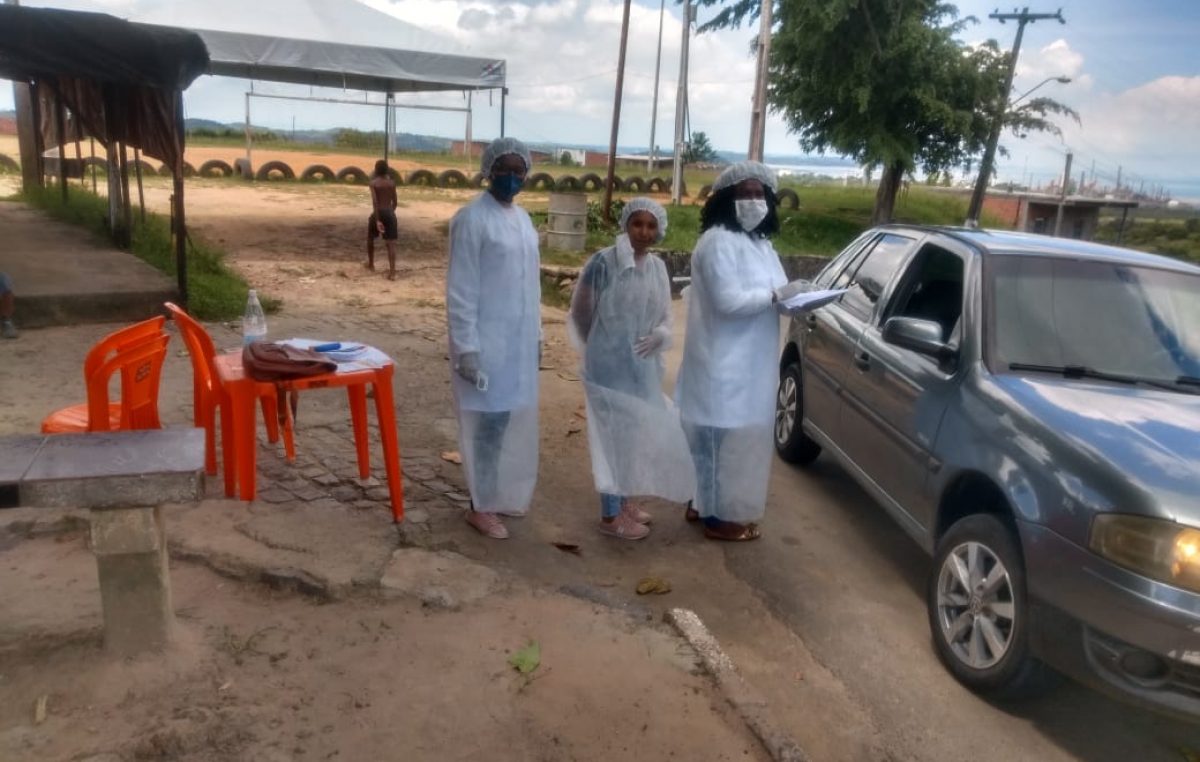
[621, 324]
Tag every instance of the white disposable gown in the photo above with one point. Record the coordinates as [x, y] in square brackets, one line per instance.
[634, 434]
[493, 302]
[727, 382]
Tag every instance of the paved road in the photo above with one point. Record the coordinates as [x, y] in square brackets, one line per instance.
[841, 575]
[850, 583]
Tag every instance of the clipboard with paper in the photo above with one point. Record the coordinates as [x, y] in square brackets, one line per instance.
[810, 298]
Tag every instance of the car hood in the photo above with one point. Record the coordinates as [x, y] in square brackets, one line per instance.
[1142, 438]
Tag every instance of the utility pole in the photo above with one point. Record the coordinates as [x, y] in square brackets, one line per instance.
[1119, 168]
[1062, 194]
[1022, 18]
[662, 11]
[758, 112]
[616, 119]
[681, 106]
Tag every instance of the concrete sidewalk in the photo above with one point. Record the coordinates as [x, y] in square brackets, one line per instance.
[62, 275]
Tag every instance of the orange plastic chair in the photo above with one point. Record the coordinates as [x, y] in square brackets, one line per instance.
[114, 415]
[206, 392]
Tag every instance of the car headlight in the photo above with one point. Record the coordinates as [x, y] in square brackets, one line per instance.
[1161, 550]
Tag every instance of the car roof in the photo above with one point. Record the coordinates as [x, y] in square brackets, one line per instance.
[1007, 242]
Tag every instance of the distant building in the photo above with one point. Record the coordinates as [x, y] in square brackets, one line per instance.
[1036, 212]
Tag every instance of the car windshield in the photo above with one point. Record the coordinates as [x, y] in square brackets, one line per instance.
[1093, 318]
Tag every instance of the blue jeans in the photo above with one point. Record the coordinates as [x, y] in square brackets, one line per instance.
[610, 505]
[705, 444]
[488, 438]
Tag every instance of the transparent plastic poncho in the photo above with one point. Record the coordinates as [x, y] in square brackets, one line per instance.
[634, 434]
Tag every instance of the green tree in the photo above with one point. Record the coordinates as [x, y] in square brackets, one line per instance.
[884, 82]
[699, 150]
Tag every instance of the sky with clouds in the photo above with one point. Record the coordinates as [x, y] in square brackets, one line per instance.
[1134, 69]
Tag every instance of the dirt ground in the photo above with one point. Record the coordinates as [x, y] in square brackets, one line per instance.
[305, 245]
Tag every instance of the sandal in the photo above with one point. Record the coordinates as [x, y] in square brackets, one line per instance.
[691, 514]
[732, 532]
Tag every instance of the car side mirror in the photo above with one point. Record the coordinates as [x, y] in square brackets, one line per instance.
[922, 336]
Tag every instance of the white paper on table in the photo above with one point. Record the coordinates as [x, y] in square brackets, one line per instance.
[810, 300]
[363, 359]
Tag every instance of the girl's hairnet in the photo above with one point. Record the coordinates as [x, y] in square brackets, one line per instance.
[642, 204]
[746, 170]
[503, 147]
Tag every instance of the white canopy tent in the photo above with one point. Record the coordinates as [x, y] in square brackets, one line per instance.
[329, 43]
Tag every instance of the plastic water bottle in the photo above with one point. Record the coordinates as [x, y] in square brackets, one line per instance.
[254, 322]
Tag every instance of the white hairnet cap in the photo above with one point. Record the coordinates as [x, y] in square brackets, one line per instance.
[643, 204]
[503, 147]
[746, 170]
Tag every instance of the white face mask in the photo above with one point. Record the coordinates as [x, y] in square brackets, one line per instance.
[750, 212]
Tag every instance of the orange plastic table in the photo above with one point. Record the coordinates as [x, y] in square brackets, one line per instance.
[238, 422]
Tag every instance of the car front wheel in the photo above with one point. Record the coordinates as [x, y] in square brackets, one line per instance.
[978, 612]
[792, 444]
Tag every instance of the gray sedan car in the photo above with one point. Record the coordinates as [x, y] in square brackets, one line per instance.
[1028, 409]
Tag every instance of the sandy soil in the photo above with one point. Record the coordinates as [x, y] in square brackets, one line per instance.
[260, 675]
[304, 244]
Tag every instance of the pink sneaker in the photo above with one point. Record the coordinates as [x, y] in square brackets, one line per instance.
[635, 513]
[625, 527]
[488, 524]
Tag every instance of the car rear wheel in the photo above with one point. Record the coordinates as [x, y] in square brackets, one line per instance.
[792, 444]
[978, 612]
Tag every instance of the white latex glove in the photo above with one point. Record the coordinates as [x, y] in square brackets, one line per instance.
[648, 346]
[788, 290]
[468, 368]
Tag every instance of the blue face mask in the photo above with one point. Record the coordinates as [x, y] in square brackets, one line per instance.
[505, 187]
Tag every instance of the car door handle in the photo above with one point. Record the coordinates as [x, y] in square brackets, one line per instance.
[862, 360]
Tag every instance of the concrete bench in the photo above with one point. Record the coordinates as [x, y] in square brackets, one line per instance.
[122, 477]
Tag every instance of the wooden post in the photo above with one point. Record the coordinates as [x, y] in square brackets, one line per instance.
[137, 170]
[177, 205]
[126, 206]
[92, 141]
[60, 129]
[616, 119]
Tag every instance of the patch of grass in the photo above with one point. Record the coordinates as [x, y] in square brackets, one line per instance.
[552, 293]
[1173, 237]
[214, 291]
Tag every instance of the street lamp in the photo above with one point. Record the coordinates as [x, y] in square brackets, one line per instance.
[989, 153]
[1060, 79]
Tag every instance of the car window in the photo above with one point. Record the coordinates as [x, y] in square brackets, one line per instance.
[932, 289]
[1112, 317]
[842, 261]
[870, 278]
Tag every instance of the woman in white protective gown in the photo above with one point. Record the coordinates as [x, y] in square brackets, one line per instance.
[726, 385]
[493, 304]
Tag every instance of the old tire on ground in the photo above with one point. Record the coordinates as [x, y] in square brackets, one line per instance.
[266, 171]
[540, 181]
[705, 192]
[318, 172]
[792, 444]
[567, 183]
[397, 178]
[978, 612]
[147, 167]
[657, 185]
[216, 168]
[635, 184]
[452, 178]
[352, 175]
[8, 165]
[788, 198]
[591, 182]
[188, 170]
[682, 186]
[477, 180]
[422, 177]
